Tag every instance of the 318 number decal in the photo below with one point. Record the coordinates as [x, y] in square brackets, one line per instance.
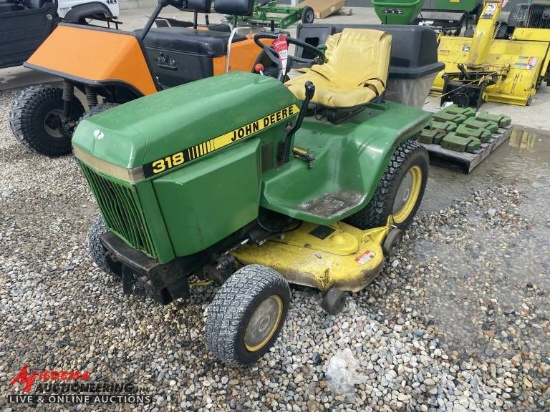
[168, 162]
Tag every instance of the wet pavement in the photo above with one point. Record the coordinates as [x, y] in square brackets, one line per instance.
[522, 160]
[488, 235]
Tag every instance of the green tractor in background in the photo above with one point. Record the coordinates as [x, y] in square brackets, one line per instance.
[250, 183]
[444, 16]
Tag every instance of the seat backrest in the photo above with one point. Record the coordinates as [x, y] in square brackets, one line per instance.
[200, 6]
[235, 7]
[356, 57]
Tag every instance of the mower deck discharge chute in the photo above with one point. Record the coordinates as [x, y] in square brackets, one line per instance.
[232, 179]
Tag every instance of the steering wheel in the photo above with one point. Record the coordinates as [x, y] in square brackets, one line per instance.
[319, 58]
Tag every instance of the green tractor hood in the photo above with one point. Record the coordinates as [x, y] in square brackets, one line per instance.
[225, 108]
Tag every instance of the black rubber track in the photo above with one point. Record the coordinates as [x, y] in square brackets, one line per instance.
[99, 253]
[232, 307]
[27, 117]
[375, 214]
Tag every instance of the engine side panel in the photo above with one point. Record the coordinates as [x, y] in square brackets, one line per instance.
[209, 200]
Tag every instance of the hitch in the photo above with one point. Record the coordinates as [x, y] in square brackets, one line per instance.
[284, 148]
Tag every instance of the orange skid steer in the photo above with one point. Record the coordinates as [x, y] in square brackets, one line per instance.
[112, 67]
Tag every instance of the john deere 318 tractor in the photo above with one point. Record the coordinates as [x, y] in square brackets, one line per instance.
[251, 183]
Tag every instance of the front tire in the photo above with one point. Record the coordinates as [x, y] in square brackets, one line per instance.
[98, 253]
[246, 315]
[36, 120]
[400, 190]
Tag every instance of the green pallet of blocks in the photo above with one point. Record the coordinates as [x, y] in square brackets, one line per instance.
[460, 137]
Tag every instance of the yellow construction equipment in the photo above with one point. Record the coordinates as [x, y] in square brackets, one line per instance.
[503, 62]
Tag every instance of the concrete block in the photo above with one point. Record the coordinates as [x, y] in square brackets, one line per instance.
[460, 144]
[466, 111]
[500, 119]
[478, 124]
[427, 136]
[447, 126]
[481, 134]
[442, 116]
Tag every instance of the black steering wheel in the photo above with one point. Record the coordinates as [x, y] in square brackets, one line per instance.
[319, 58]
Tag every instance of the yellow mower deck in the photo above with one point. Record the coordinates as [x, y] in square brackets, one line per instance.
[322, 257]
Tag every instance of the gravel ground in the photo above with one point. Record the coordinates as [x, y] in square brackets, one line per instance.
[457, 321]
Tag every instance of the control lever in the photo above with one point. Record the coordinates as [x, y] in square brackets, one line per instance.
[259, 68]
[284, 151]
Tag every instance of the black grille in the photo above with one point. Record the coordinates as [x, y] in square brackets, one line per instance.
[121, 210]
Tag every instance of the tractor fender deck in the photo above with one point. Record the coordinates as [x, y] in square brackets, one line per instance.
[350, 159]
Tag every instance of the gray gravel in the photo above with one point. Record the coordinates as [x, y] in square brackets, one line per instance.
[457, 321]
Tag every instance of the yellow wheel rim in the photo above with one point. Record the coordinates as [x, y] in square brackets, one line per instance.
[407, 194]
[263, 323]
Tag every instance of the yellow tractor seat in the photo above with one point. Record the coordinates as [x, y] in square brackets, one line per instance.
[355, 73]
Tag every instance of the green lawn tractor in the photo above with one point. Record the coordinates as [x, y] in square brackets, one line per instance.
[252, 184]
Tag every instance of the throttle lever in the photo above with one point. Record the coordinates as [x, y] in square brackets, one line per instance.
[284, 152]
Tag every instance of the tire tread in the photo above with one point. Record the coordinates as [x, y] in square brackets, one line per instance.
[375, 213]
[22, 117]
[229, 307]
[98, 252]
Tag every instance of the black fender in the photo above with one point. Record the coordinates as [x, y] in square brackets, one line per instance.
[89, 10]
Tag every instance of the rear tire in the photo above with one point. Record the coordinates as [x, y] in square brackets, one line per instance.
[99, 254]
[246, 315]
[400, 190]
[35, 120]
